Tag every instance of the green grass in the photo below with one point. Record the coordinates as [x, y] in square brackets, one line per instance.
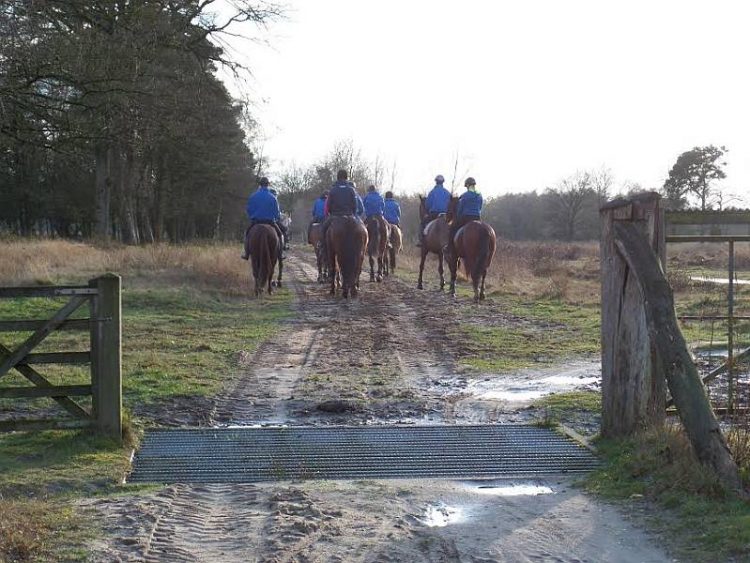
[701, 520]
[555, 330]
[561, 405]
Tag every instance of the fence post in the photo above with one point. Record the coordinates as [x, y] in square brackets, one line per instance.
[633, 385]
[106, 356]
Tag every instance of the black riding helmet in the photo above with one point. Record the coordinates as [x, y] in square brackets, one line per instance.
[470, 182]
[389, 195]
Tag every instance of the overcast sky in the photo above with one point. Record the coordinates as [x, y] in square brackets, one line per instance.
[526, 92]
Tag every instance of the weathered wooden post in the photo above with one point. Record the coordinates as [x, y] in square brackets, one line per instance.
[106, 356]
[633, 385]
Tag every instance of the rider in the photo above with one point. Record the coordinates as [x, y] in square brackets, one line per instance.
[342, 200]
[262, 208]
[318, 212]
[373, 203]
[436, 203]
[392, 211]
[469, 209]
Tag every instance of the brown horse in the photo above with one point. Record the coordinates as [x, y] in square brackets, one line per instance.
[377, 244]
[346, 241]
[315, 238]
[394, 247]
[475, 245]
[263, 243]
[435, 240]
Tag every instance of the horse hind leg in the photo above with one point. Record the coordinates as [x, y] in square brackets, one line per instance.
[380, 269]
[372, 268]
[481, 291]
[281, 268]
[421, 268]
[441, 257]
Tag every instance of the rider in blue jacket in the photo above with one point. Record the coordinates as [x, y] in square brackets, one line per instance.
[392, 211]
[318, 212]
[373, 203]
[263, 208]
[436, 203]
[342, 200]
[469, 209]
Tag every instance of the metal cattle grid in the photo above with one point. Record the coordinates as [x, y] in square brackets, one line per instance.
[243, 455]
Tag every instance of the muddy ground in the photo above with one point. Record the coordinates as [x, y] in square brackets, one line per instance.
[383, 358]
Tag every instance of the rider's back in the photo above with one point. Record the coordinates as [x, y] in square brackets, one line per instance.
[342, 199]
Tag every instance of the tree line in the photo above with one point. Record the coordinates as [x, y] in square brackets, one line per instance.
[114, 124]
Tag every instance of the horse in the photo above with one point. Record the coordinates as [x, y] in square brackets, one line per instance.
[263, 243]
[346, 241]
[377, 244]
[435, 239]
[475, 244]
[315, 238]
[394, 247]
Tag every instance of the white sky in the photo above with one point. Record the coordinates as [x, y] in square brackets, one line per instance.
[526, 91]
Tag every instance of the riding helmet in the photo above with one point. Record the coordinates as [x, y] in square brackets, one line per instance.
[263, 181]
[470, 182]
[439, 179]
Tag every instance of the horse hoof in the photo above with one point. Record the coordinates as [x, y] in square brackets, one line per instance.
[379, 278]
[278, 283]
[482, 297]
[419, 286]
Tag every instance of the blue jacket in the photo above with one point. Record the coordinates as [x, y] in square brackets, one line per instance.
[360, 205]
[318, 212]
[392, 211]
[438, 199]
[343, 200]
[263, 206]
[470, 203]
[374, 204]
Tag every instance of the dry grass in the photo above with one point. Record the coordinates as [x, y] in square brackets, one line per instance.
[57, 261]
[568, 271]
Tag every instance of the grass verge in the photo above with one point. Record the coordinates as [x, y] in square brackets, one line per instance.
[698, 519]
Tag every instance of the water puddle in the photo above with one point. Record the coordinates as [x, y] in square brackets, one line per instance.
[441, 515]
[504, 489]
[718, 280]
[527, 385]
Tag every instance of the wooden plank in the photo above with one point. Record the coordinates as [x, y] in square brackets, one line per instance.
[708, 217]
[72, 358]
[708, 238]
[46, 291]
[39, 380]
[57, 391]
[20, 352]
[42, 424]
[106, 356]
[29, 325]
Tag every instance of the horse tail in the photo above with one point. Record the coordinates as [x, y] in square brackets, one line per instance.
[481, 258]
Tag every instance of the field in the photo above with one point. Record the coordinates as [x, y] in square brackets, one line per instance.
[198, 351]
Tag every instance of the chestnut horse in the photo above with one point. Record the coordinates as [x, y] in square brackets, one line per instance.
[377, 245]
[315, 238]
[263, 244]
[435, 240]
[475, 246]
[346, 241]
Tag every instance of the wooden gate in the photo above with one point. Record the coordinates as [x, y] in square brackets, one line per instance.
[104, 357]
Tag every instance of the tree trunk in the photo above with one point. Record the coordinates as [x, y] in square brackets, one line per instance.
[693, 406]
[103, 182]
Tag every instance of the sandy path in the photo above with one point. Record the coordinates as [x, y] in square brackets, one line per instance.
[380, 358]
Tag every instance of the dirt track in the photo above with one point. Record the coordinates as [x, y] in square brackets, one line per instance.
[382, 358]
